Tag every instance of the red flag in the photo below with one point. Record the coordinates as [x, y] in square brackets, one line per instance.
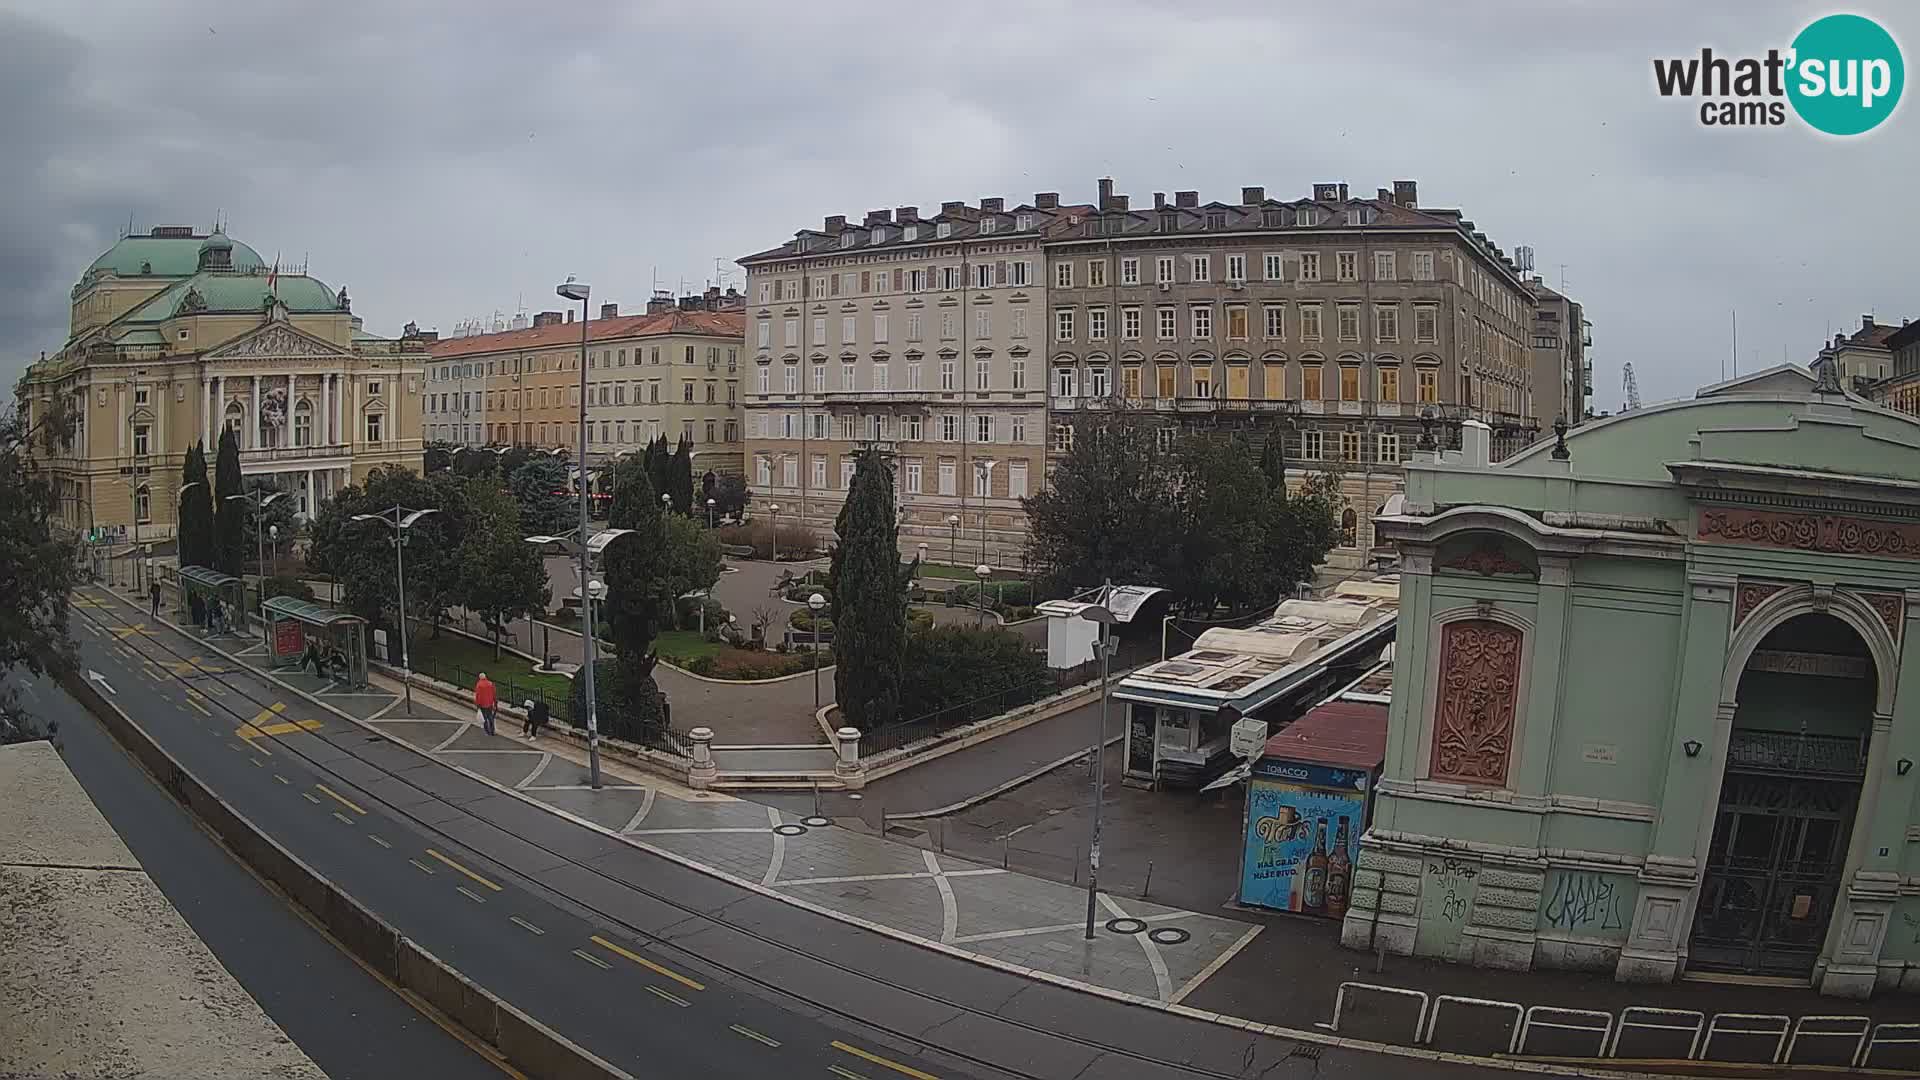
[273, 276]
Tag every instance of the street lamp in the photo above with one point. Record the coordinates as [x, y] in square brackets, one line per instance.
[1101, 614]
[579, 290]
[273, 534]
[666, 502]
[401, 521]
[774, 509]
[953, 528]
[982, 571]
[261, 499]
[817, 603]
[710, 505]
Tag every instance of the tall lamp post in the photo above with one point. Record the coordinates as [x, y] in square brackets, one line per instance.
[401, 521]
[1101, 614]
[982, 572]
[774, 509]
[711, 503]
[579, 290]
[261, 499]
[953, 528]
[816, 603]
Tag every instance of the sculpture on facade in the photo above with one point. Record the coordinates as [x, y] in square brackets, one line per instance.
[273, 409]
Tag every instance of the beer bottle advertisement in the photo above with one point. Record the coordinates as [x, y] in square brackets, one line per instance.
[1288, 861]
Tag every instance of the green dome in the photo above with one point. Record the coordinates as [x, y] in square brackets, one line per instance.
[176, 254]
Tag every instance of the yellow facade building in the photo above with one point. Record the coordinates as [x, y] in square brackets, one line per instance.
[178, 335]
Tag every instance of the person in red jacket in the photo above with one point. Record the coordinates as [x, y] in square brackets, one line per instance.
[485, 701]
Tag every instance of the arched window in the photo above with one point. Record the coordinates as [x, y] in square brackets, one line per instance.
[142, 504]
[303, 423]
[236, 419]
[1349, 528]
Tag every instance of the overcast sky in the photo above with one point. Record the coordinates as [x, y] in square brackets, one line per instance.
[447, 160]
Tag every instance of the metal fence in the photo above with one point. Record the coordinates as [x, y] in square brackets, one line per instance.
[510, 690]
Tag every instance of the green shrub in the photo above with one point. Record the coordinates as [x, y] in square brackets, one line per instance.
[800, 592]
[286, 585]
[805, 622]
[918, 619]
[621, 712]
[947, 666]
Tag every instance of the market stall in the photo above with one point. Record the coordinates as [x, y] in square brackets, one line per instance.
[1309, 797]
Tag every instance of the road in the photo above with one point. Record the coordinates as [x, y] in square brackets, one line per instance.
[656, 967]
[345, 1019]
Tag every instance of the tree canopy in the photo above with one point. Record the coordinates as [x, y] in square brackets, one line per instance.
[730, 494]
[196, 531]
[869, 597]
[360, 556]
[1208, 517]
[38, 567]
[540, 489]
[229, 517]
[503, 578]
[680, 477]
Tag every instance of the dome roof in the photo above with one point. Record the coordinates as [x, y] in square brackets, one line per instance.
[173, 253]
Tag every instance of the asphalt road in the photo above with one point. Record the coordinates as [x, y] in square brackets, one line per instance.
[347, 1021]
[658, 968]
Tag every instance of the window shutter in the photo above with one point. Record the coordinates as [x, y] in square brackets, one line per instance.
[899, 280]
[866, 281]
[1000, 272]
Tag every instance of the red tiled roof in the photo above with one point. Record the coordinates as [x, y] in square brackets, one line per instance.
[1343, 734]
[714, 323]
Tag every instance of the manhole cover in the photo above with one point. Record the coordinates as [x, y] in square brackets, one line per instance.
[1125, 926]
[790, 829]
[1169, 935]
[816, 821]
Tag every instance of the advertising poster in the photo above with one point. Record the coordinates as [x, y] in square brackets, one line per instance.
[288, 638]
[1302, 839]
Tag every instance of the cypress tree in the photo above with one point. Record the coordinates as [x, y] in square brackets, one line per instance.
[1273, 460]
[869, 601]
[196, 510]
[229, 515]
[657, 460]
[680, 477]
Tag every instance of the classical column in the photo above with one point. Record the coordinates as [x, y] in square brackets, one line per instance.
[120, 429]
[253, 429]
[323, 417]
[206, 409]
[219, 412]
[313, 493]
[340, 408]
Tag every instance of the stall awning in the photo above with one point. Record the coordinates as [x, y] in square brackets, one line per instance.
[208, 577]
[308, 612]
[1338, 734]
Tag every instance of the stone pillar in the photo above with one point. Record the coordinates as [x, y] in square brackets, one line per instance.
[206, 410]
[323, 417]
[701, 774]
[313, 493]
[847, 766]
[253, 427]
[219, 420]
[1865, 907]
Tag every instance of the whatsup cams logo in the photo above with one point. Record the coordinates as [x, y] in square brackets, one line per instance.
[1842, 75]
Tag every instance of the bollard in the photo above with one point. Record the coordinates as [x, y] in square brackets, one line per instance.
[1147, 889]
[701, 774]
[848, 767]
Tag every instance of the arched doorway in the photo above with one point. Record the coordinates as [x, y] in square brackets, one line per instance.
[1795, 760]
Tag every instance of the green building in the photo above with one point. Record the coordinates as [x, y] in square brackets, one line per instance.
[1650, 710]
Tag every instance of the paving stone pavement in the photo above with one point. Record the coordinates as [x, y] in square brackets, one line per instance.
[974, 908]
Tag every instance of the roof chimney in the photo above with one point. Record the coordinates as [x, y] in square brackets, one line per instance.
[662, 301]
[1406, 192]
[879, 217]
[1866, 322]
[609, 311]
[836, 223]
[1186, 199]
[1120, 202]
[1383, 195]
[950, 207]
[1253, 196]
[1343, 192]
[1046, 200]
[1159, 200]
[1106, 192]
[907, 215]
[992, 206]
[546, 318]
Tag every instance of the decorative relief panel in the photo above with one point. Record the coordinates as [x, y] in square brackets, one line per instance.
[1751, 595]
[1889, 607]
[1812, 532]
[1486, 559]
[1478, 697]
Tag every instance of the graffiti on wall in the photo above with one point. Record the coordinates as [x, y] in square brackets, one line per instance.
[1447, 891]
[1587, 902]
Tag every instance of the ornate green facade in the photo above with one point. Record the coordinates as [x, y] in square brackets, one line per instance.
[1651, 709]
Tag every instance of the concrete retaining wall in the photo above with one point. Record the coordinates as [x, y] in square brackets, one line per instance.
[525, 1043]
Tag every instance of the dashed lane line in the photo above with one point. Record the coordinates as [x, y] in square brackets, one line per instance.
[845, 1074]
[464, 870]
[592, 959]
[339, 798]
[646, 963]
[282, 779]
[662, 994]
[754, 1035]
[308, 795]
[379, 841]
[342, 818]
[525, 925]
[885, 1063]
[420, 866]
[470, 894]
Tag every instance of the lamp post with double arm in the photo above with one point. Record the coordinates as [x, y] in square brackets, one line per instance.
[400, 520]
[580, 291]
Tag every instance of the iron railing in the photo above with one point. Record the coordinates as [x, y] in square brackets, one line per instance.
[1797, 754]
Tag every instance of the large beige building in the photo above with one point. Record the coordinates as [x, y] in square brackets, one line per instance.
[178, 335]
[1331, 320]
[925, 336]
[674, 372]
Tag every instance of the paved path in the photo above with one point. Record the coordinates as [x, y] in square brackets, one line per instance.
[940, 786]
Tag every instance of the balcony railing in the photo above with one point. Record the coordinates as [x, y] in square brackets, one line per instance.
[292, 453]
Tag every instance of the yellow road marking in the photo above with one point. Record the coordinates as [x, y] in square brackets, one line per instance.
[646, 963]
[344, 819]
[125, 632]
[844, 1074]
[379, 841]
[659, 993]
[337, 797]
[307, 795]
[525, 925]
[420, 866]
[904, 1070]
[463, 870]
[754, 1035]
[592, 959]
[469, 894]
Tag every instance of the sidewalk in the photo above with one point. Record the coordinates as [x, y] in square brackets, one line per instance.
[949, 784]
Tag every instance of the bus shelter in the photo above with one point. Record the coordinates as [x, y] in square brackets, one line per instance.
[201, 585]
[293, 623]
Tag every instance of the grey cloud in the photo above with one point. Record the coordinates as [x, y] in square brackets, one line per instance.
[445, 160]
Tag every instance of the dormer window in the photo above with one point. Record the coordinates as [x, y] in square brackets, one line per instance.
[1273, 219]
[911, 232]
[1023, 222]
[1216, 219]
[879, 236]
[1357, 216]
[1169, 222]
[943, 230]
[1308, 215]
[987, 224]
[846, 240]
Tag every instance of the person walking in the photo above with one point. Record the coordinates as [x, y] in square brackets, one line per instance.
[537, 717]
[216, 616]
[153, 595]
[485, 701]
